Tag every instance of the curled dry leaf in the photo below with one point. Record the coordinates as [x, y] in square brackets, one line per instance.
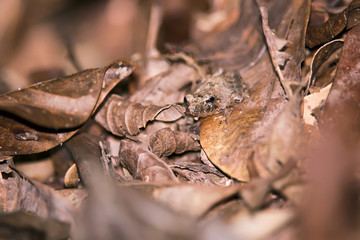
[322, 73]
[143, 164]
[19, 193]
[318, 34]
[64, 102]
[167, 87]
[166, 142]
[122, 117]
[19, 137]
[323, 59]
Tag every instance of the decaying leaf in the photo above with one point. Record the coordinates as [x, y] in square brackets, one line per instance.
[348, 18]
[166, 142]
[21, 137]
[65, 102]
[122, 117]
[19, 193]
[322, 73]
[324, 58]
[166, 87]
[143, 164]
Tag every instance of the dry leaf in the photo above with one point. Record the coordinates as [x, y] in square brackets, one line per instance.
[20, 193]
[317, 34]
[166, 142]
[19, 137]
[144, 165]
[65, 102]
[122, 117]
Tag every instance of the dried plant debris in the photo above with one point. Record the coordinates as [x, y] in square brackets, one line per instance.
[143, 164]
[244, 132]
[166, 142]
[122, 117]
[20, 193]
[325, 59]
[54, 104]
[336, 23]
[65, 102]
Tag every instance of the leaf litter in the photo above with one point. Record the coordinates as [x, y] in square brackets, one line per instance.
[281, 163]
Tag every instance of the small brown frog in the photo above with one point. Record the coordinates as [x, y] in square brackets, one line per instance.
[217, 94]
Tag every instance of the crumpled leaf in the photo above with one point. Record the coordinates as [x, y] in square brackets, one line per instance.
[122, 117]
[327, 55]
[322, 73]
[20, 137]
[143, 164]
[64, 102]
[20, 193]
[348, 18]
[166, 142]
[167, 87]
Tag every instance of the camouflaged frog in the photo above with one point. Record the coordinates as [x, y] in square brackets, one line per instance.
[216, 95]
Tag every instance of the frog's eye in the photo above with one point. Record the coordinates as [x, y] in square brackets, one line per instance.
[211, 99]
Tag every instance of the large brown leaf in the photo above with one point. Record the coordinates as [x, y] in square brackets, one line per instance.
[21, 137]
[64, 102]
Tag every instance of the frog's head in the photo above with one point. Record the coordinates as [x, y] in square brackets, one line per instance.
[201, 105]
